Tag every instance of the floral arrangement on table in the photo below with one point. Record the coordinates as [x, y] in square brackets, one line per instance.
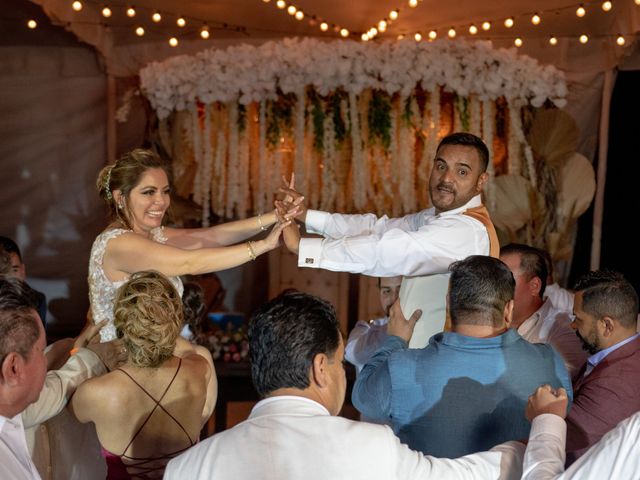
[346, 117]
[228, 345]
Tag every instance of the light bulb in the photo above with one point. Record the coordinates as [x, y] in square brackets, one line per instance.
[382, 25]
[536, 19]
[452, 32]
[32, 24]
[637, 2]
[77, 5]
[620, 40]
[156, 17]
[518, 42]
[473, 29]
[140, 31]
[580, 11]
[281, 4]
[131, 12]
[583, 39]
[553, 40]
[486, 25]
[417, 37]
[373, 31]
[606, 6]
[393, 14]
[509, 22]
[291, 10]
[181, 22]
[413, 3]
[324, 26]
[364, 37]
[401, 36]
[299, 15]
[344, 32]
[204, 32]
[173, 41]
[106, 12]
[433, 35]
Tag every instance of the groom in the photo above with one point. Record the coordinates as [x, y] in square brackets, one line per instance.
[420, 246]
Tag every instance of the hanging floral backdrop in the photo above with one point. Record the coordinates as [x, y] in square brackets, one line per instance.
[358, 123]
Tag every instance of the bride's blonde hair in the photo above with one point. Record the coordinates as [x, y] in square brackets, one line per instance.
[148, 317]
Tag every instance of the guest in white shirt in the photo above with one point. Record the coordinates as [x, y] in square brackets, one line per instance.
[534, 317]
[22, 371]
[616, 455]
[297, 357]
[366, 337]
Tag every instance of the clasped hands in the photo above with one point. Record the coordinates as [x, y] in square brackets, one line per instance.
[291, 206]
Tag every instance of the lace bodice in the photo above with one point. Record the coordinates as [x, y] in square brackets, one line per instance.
[102, 291]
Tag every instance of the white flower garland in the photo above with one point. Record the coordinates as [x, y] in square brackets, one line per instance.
[248, 73]
[488, 119]
[207, 164]
[234, 163]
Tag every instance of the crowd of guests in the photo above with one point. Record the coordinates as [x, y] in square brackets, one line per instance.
[512, 365]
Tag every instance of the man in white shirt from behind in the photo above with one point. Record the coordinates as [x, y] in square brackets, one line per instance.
[366, 337]
[534, 317]
[615, 456]
[22, 372]
[297, 357]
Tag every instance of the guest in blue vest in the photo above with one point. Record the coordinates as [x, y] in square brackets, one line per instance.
[467, 389]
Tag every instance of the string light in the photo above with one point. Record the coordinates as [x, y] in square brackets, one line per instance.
[473, 29]
[393, 14]
[452, 32]
[581, 12]
[291, 10]
[401, 37]
[131, 12]
[583, 39]
[637, 2]
[33, 24]
[536, 19]
[344, 32]
[106, 12]
[181, 22]
[553, 40]
[486, 25]
[204, 32]
[607, 6]
[517, 42]
[509, 22]
[324, 26]
[156, 17]
[77, 5]
[281, 4]
[299, 15]
[173, 41]
[433, 35]
[620, 40]
[382, 25]
[140, 31]
[417, 37]
[364, 37]
[413, 3]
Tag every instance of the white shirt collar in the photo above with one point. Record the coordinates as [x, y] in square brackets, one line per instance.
[295, 403]
[474, 202]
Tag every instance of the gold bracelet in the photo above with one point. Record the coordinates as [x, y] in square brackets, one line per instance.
[252, 252]
[260, 224]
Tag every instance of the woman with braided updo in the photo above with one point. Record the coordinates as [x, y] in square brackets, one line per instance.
[153, 407]
[137, 192]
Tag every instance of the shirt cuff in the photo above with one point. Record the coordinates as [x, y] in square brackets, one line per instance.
[309, 251]
[549, 424]
[315, 221]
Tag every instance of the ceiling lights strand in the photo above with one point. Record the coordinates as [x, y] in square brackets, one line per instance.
[314, 20]
[384, 23]
[110, 11]
[535, 18]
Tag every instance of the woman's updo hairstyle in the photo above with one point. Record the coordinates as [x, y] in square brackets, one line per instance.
[148, 317]
[124, 175]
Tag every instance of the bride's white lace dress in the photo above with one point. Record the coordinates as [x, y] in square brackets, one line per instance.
[102, 291]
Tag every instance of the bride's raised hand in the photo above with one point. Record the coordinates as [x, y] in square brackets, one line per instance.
[273, 239]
